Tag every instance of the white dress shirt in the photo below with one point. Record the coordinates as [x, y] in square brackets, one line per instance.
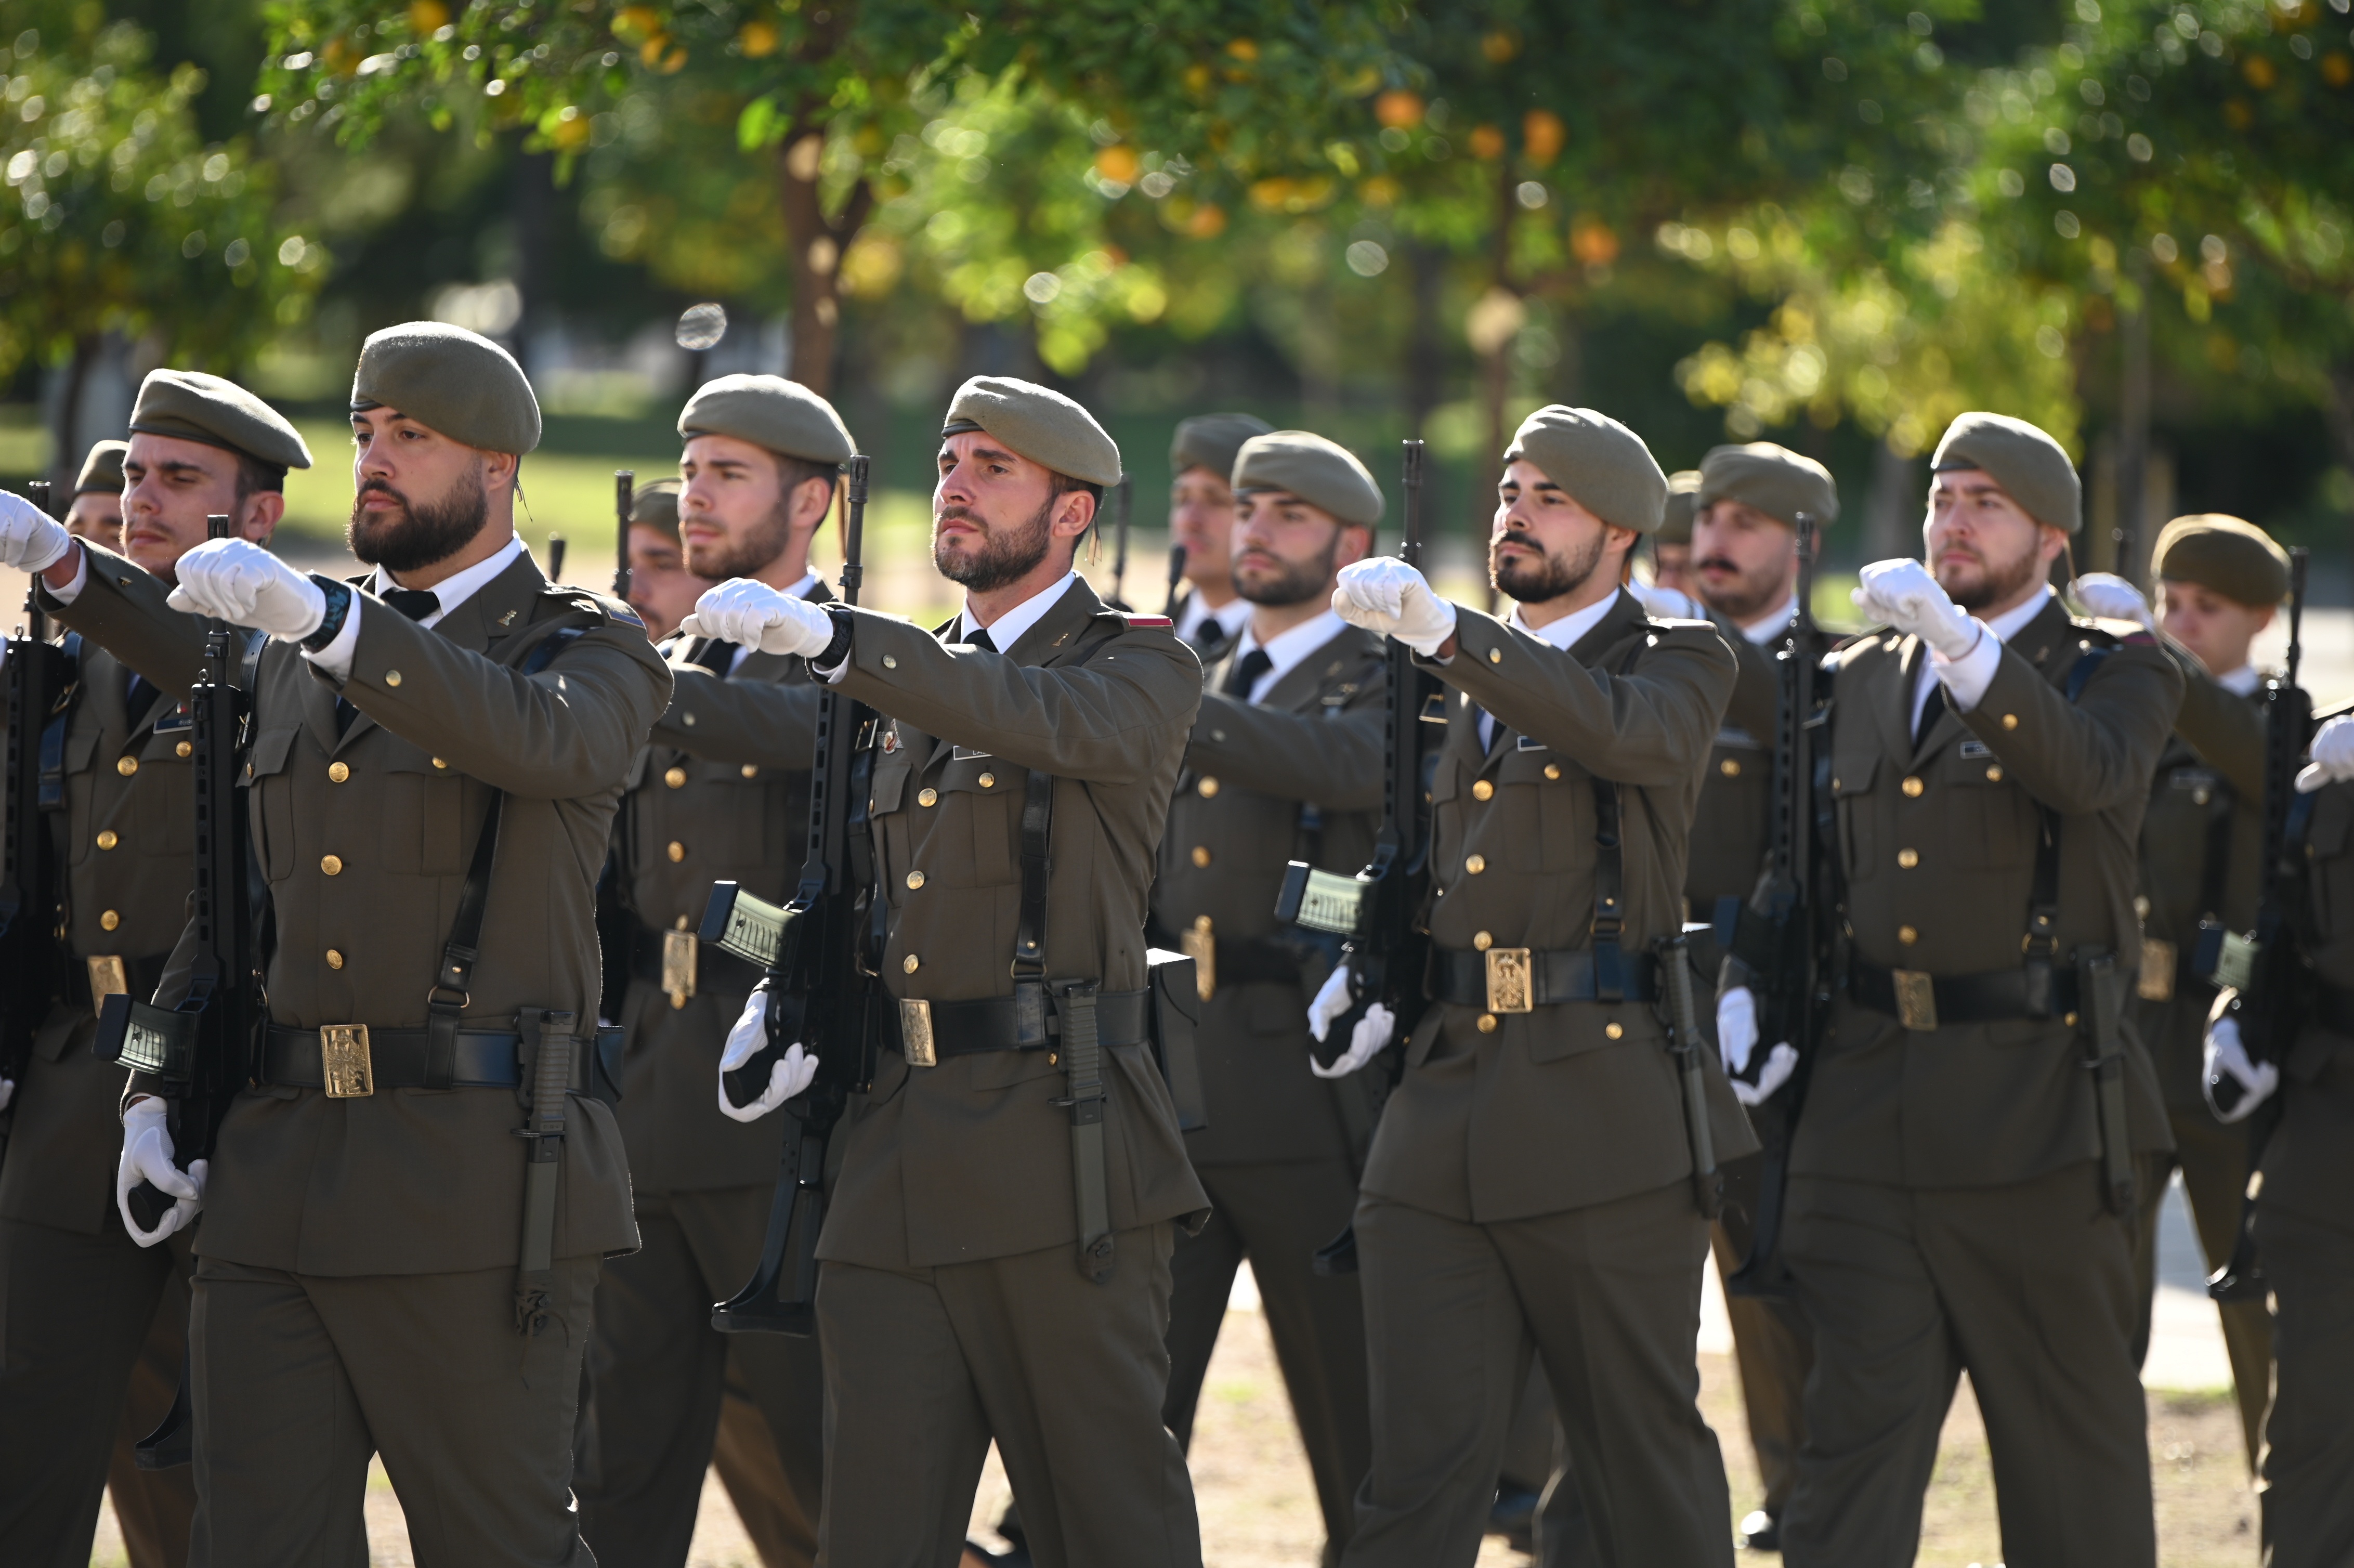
[1772, 628]
[1287, 649]
[1967, 677]
[2241, 681]
[453, 591]
[1231, 616]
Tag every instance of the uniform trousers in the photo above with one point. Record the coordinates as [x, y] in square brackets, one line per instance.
[1609, 1295]
[2213, 1159]
[92, 1332]
[2027, 1286]
[1278, 1215]
[1771, 1342]
[2308, 1460]
[744, 1457]
[657, 1371]
[925, 1366]
[300, 1378]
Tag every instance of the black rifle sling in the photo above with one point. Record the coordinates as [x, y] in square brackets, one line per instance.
[1610, 863]
[53, 733]
[2043, 942]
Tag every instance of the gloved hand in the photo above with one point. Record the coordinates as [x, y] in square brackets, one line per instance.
[1779, 1064]
[1373, 1032]
[2108, 596]
[1383, 594]
[30, 539]
[147, 1157]
[1665, 603]
[7, 1092]
[238, 581]
[1331, 1000]
[754, 615]
[2333, 756]
[1736, 1041]
[791, 1076]
[1905, 596]
[2234, 1085]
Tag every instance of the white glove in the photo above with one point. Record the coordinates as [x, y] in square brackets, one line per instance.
[1665, 603]
[754, 615]
[2333, 756]
[30, 539]
[2234, 1086]
[1365, 1042]
[2108, 596]
[1331, 1000]
[147, 1157]
[1905, 596]
[1384, 594]
[238, 581]
[7, 1092]
[1736, 1028]
[789, 1077]
[1781, 1063]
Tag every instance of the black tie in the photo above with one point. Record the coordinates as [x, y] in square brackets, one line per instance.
[1245, 673]
[714, 655]
[1932, 710]
[982, 640]
[414, 603]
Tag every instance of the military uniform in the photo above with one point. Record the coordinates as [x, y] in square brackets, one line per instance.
[1211, 633]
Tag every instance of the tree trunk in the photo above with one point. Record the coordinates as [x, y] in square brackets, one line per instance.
[814, 244]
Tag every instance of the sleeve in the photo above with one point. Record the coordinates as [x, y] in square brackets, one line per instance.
[770, 723]
[1966, 679]
[121, 608]
[2226, 730]
[1335, 762]
[1756, 702]
[2095, 754]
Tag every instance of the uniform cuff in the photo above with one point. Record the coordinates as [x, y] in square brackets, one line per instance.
[1966, 678]
[72, 590]
[336, 659]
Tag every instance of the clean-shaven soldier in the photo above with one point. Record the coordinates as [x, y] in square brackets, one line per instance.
[2219, 580]
[1957, 1195]
[721, 792]
[364, 1281]
[662, 588]
[1529, 1187]
[1202, 512]
[956, 1304]
[95, 1327]
[97, 509]
[1284, 764]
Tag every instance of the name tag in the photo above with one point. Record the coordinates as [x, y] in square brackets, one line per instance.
[1976, 750]
[1733, 735]
[178, 719]
[966, 754]
[1524, 744]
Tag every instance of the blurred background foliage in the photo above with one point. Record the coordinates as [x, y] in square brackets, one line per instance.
[1831, 223]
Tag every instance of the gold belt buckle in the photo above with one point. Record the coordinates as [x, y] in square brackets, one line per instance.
[343, 1053]
[2156, 982]
[1512, 982]
[915, 1032]
[1917, 999]
[108, 977]
[1201, 945]
[678, 965]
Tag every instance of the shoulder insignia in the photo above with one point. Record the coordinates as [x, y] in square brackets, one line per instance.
[1144, 621]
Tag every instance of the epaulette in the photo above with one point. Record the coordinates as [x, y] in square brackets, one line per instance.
[1143, 622]
[587, 602]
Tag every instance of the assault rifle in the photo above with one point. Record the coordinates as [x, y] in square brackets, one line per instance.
[556, 543]
[820, 986]
[2266, 966]
[1176, 580]
[1776, 947]
[625, 498]
[32, 879]
[1121, 494]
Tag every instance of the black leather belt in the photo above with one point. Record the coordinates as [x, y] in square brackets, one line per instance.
[715, 968]
[1990, 998]
[1014, 1022]
[144, 975]
[485, 1059]
[1556, 975]
[1254, 960]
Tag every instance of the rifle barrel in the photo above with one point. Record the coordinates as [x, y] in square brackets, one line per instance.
[1410, 481]
[853, 529]
[625, 496]
[2300, 560]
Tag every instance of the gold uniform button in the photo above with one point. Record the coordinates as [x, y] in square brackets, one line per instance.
[126, 766]
[989, 780]
[1475, 864]
[1908, 858]
[1495, 655]
[890, 661]
[2010, 721]
[108, 920]
[1911, 786]
[915, 880]
[676, 778]
[1483, 940]
[332, 865]
[1207, 789]
[1200, 854]
[1994, 775]
[392, 677]
[909, 963]
[1483, 790]
[1553, 770]
[1729, 768]
[2069, 1019]
[1487, 1023]
[750, 770]
[927, 798]
[1614, 1030]
[338, 772]
[1907, 935]
[688, 718]
[183, 749]
[439, 763]
[677, 852]
[107, 839]
[334, 959]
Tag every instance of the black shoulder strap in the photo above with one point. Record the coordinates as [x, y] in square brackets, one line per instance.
[53, 732]
[1610, 860]
[1037, 837]
[2043, 899]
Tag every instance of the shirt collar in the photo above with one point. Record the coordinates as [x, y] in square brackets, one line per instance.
[458, 587]
[1771, 628]
[1231, 616]
[1009, 628]
[1287, 649]
[2241, 681]
[1565, 631]
[2011, 622]
[809, 580]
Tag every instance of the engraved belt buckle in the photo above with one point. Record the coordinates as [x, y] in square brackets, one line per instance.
[2156, 982]
[1917, 999]
[1200, 944]
[915, 1032]
[344, 1054]
[678, 965]
[108, 977]
[1512, 980]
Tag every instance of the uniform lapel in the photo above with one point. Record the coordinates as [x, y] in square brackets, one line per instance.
[495, 611]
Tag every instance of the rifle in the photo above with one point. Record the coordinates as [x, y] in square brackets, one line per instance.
[2267, 967]
[1176, 580]
[820, 986]
[625, 497]
[1121, 496]
[32, 876]
[1775, 945]
[556, 557]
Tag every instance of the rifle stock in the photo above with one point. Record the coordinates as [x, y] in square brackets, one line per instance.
[32, 889]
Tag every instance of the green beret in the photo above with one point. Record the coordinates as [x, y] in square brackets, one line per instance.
[1037, 423]
[1212, 441]
[102, 470]
[769, 411]
[2235, 558]
[2022, 460]
[1604, 465]
[655, 506]
[1321, 472]
[1683, 500]
[1774, 480]
[194, 407]
[457, 383]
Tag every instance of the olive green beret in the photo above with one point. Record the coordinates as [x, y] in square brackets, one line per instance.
[1213, 442]
[1683, 500]
[2025, 461]
[1037, 423]
[194, 407]
[1604, 465]
[451, 381]
[102, 470]
[1774, 480]
[1321, 472]
[2235, 558]
[655, 506]
[769, 411]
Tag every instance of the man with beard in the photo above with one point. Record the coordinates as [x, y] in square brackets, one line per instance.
[1284, 764]
[662, 588]
[991, 1268]
[1671, 547]
[437, 753]
[1960, 1192]
[90, 1315]
[1202, 512]
[720, 793]
[97, 509]
[1530, 1188]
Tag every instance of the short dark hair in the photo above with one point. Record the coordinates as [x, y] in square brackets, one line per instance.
[253, 474]
[792, 472]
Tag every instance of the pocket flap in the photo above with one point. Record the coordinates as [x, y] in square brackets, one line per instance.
[81, 745]
[1853, 775]
[270, 749]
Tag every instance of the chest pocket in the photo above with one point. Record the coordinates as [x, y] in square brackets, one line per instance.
[422, 813]
[1852, 779]
[1548, 802]
[273, 792]
[165, 816]
[1997, 818]
[980, 799]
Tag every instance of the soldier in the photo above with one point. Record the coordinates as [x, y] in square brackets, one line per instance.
[662, 588]
[2219, 581]
[1960, 1183]
[97, 509]
[1529, 1187]
[1284, 764]
[1202, 518]
[359, 1282]
[89, 1312]
[1671, 547]
[722, 793]
[1020, 779]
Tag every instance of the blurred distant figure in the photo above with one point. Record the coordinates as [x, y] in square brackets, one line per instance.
[97, 509]
[662, 589]
[1202, 518]
[1671, 545]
